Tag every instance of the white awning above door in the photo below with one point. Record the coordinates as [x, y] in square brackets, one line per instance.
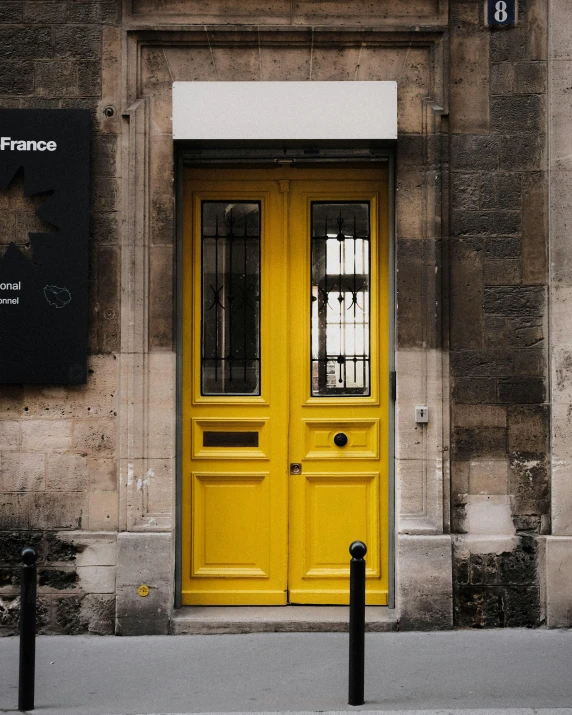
[285, 110]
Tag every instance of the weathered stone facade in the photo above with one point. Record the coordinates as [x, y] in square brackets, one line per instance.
[498, 272]
[482, 503]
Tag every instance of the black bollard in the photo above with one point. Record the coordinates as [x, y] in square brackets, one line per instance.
[27, 631]
[357, 622]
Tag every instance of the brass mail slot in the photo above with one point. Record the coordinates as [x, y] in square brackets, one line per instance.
[230, 439]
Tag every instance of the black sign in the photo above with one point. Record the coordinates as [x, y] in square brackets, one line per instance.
[44, 187]
[501, 12]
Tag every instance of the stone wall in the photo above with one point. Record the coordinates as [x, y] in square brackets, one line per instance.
[80, 465]
[498, 317]
[58, 457]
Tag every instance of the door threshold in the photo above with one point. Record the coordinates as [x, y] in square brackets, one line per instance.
[207, 620]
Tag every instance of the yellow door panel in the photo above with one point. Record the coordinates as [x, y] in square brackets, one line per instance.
[341, 494]
[315, 394]
[362, 435]
[235, 505]
[231, 438]
[230, 525]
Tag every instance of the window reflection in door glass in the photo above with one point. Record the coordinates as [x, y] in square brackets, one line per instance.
[340, 299]
[230, 350]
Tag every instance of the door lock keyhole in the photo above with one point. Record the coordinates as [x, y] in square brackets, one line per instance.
[340, 440]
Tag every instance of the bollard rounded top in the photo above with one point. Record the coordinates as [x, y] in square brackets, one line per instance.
[29, 555]
[358, 549]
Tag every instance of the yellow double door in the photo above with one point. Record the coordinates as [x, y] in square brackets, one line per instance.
[285, 384]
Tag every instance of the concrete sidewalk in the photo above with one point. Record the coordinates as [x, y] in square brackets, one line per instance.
[506, 670]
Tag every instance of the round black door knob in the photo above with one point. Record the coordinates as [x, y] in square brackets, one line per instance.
[340, 440]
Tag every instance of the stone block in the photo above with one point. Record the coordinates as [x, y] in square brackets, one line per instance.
[45, 13]
[22, 471]
[14, 511]
[96, 579]
[562, 373]
[98, 611]
[560, 24]
[89, 79]
[558, 581]
[108, 289]
[84, 13]
[459, 477]
[46, 435]
[104, 228]
[411, 487]
[529, 363]
[508, 46]
[502, 78]
[534, 228]
[485, 223]
[474, 153]
[502, 247]
[162, 181]
[560, 307]
[102, 474]
[16, 77]
[488, 476]
[104, 193]
[82, 43]
[144, 559]
[9, 435]
[515, 301]
[63, 510]
[528, 427]
[504, 271]
[482, 362]
[479, 415]
[561, 423]
[25, 43]
[474, 390]
[466, 256]
[537, 26]
[469, 443]
[560, 116]
[424, 584]
[162, 407]
[60, 549]
[522, 390]
[523, 152]
[56, 79]
[501, 191]
[162, 287]
[561, 492]
[66, 472]
[67, 618]
[95, 549]
[199, 64]
[12, 13]
[104, 155]
[95, 437]
[529, 483]
[530, 78]
[469, 83]
[514, 332]
[56, 580]
[103, 511]
[410, 198]
[517, 113]
[465, 191]
[410, 298]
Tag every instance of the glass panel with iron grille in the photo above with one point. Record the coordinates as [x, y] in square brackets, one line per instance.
[230, 351]
[340, 299]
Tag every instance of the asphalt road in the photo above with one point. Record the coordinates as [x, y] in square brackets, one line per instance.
[295, 672]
